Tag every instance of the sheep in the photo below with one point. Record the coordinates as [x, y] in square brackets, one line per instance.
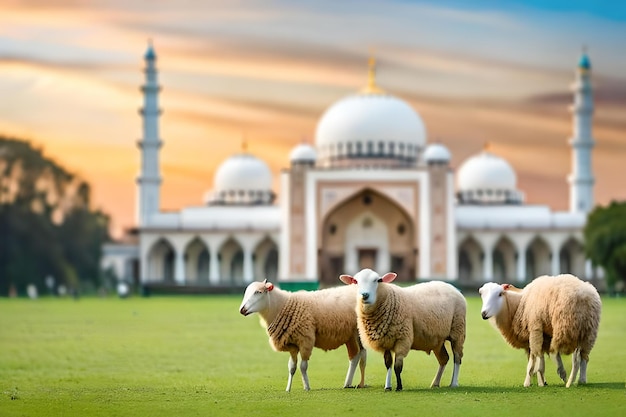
[298, 321]
[419, 317]
[552, 314]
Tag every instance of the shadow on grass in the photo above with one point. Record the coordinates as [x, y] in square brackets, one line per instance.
[464, 389]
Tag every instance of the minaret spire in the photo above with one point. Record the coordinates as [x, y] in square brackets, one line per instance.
[149, 179]
[581, 179]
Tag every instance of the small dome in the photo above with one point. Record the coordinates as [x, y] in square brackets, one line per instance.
[372, 126]
[487, 179]
[584, 62]
[486, 171]
[303, 153]
[244, 179]
[150, 54]
[436, 152]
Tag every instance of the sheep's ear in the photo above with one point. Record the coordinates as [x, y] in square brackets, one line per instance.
[388, 277]
[347, 279]
[506, 286]
[268, 285]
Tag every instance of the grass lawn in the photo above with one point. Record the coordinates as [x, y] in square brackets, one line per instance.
[187, 356]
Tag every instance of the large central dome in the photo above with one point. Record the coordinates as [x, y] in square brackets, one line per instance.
[370, 128]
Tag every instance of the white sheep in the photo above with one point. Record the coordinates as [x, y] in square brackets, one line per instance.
[552, 314]
[298, 321]
[419, 317]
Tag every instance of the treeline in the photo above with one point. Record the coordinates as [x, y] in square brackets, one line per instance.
[605, 242]
[47, 228]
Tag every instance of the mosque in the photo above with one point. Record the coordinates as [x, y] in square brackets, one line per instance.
[370, 192]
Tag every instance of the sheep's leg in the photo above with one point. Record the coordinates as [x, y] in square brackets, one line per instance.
[575, 365]
[457, 365]
[304, 365]
[583, 372]
[362, 363]
[535, 351]
[351, 370]
[442, 358]
[291, 367]
[397, 367]
[560, 369]
[529, 370]
[540, 370]
[355, 355]
[388, 363]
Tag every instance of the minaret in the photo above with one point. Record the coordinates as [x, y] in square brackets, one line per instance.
[581, 179]
[149, 180]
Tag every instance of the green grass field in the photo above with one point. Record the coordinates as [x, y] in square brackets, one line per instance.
[187, 356]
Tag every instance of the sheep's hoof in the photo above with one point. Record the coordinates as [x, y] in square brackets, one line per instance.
[398, 389]
[387, 388]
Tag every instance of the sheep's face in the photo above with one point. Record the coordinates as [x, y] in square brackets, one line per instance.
[367, 282]
[256, 297]
[491, 294]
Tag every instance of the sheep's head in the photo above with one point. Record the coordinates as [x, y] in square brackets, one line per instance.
[367, 282]
[491, 294]
[256, 297]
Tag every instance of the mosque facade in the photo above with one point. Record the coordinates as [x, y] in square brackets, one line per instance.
[371, 192]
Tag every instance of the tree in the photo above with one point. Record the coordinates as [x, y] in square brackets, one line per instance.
[605, 241]
[46, 224]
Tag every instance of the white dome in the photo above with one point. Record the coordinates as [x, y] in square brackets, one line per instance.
[370, 125]
[486, 171]
[436, 152]
[303, 153]
[244, 179]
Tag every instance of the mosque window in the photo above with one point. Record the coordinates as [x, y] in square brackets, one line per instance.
[359, 149]
[349, 148]
[381, 148]
[332, 229]
[367, 199]
[370, 148]
[401, 229]
[392, 148]
[397, 263]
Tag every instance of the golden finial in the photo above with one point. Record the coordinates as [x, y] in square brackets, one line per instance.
[244, 143]
[371, 87]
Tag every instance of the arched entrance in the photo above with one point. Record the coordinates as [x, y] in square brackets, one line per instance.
[266, 260]
[161, 262]
[366, 231]
[537, 259]
[572, 258]
[231, 263]
[470, 261]
[197, 262]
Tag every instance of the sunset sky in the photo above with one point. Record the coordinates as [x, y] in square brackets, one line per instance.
[476, 72]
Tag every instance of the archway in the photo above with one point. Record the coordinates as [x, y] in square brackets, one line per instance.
[231, 263]
[504, 260]
[266, 260]
[470, 261]
[367, 230]
[161, 262]
[197, 262]
[572, 258]
[537, 259]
